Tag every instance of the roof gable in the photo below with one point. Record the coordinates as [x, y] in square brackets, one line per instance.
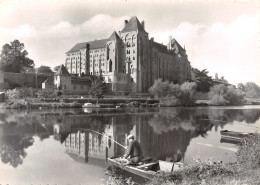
[114, 36]
[133, 24]
[62, 71]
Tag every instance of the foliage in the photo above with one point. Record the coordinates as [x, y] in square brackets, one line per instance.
[203, 81]
[98, 87]
[249, 152]
[252, 90]
[56, 68]
[241, 87]
[226, 95]
[13, 58]
[174, 94]
[23, 92]
[46, 94]
[44, 70]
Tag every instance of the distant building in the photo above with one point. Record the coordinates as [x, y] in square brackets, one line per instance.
[129, 60]
[70, 84]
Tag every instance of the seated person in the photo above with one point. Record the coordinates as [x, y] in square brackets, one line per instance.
[134, 152]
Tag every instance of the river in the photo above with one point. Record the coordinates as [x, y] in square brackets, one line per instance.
[55, 146]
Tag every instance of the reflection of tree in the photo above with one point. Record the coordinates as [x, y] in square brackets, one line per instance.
[12, 149]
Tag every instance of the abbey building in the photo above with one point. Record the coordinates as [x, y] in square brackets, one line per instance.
[129, 60]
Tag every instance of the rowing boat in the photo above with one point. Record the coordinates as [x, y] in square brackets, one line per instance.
[147, 170]
[235, 135]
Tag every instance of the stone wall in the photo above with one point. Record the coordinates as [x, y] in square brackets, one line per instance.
[22, 79]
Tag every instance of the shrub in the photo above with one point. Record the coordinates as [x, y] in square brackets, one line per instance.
[46, 94]
[249, 152]
[174, 94]
[23, 92]
[226, 95]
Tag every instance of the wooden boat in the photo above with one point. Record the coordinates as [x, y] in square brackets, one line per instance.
[146, 170]
[235, 135]
[90, 105]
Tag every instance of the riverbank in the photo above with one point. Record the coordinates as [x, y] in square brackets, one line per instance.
[30, 103]
[246, 170]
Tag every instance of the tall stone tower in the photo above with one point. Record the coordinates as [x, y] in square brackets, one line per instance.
[136, 41]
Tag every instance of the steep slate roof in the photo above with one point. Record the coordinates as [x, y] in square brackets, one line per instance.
[133, 24]
[62, 71]
[114, 36]
[181, 50]
[92, 45]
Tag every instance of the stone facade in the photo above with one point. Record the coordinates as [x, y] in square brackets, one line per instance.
[131, 53]
[70, 84]
[11, 80]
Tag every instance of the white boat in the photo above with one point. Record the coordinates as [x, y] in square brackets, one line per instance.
[90, 105]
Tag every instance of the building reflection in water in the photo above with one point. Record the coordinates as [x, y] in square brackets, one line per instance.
[162, 133]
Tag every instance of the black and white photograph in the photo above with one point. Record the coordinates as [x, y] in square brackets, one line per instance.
[129, 92]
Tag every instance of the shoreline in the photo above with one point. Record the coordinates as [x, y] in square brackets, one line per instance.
[32, 103]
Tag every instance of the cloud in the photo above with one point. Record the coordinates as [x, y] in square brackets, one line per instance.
[227, 49]
[47, 44]
[231, 50]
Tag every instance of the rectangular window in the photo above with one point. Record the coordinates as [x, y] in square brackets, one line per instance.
[74, 86]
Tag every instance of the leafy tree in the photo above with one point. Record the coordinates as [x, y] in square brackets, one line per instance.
[203, 81]
[252, 90]
[98, 87]
[226, 95]
[44, 70]
[241, 87]
[174, 94]
[56, 68]
[13, 58]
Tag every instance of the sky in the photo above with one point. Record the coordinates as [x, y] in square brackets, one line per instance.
[220, 36]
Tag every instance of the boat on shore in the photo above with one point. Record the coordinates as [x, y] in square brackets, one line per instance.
[90, 105]
[232, 136]
[227, 133]
[146, 170]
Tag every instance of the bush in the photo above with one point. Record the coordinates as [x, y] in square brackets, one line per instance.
[174, 94]
[23, 92]
[249, 152]
[226, 95]
[46, 94]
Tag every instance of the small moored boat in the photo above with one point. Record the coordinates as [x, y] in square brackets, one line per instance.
[90, 105]
[227, 133]
[146, 170]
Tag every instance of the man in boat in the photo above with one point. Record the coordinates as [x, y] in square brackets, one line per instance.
[134, 152]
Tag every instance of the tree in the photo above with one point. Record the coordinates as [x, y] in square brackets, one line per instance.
[226, 95]
[203, 81]
[241, 87]
[252, 90]
[56, 68]
[98, 87]
[13, 58]
[44, 70]
[174, 94]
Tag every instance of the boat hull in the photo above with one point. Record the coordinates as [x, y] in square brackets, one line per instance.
[149, 174]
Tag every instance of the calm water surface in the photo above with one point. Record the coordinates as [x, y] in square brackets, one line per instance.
[56, 146]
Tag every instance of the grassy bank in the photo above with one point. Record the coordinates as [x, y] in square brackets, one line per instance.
[75, 103]
[246, 170]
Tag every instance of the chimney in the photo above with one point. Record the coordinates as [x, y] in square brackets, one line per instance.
[170, 38]
[152, 39]
[142, 23]
[126, 21]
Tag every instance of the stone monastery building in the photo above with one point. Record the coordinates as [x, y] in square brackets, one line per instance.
[129, 60]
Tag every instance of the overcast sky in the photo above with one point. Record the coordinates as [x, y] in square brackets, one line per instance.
[219, 36]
